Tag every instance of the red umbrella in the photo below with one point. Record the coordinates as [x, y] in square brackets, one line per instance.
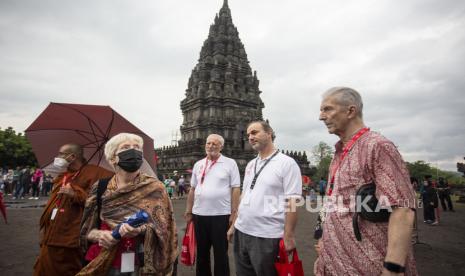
[90, 126]
[2, 207]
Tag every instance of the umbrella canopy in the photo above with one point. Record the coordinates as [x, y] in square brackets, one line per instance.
[90, 126]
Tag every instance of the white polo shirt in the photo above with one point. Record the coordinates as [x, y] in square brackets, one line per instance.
[213, 197]
[262, 210]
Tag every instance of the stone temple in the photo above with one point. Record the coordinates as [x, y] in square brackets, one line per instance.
[222, 97]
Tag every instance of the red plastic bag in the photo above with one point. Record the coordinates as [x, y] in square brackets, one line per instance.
[188, 245]
[286, 268]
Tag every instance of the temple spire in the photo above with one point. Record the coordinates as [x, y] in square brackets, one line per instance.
[225, 9]
[222, 96]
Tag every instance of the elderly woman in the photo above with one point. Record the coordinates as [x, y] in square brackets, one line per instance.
[127, 192]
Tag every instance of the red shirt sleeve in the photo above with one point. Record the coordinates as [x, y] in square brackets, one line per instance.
[392, 180]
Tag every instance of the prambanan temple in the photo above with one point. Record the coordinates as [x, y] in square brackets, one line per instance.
[222, 97]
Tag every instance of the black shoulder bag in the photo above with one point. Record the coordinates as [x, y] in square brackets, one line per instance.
[382, 215]
[101, 188]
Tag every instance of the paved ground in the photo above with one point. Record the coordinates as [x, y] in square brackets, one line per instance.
[19, 241]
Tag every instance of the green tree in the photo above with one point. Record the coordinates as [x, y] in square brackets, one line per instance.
[419, 169]
[461, 167]
[322, 155]
[15, 150]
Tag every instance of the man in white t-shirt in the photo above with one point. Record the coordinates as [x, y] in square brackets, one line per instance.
[212, 205]
[267, 210]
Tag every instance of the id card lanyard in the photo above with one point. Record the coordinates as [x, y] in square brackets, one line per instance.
[58, 206]
[128, 257]
[345, 151]
[261, 169]
[204, 173]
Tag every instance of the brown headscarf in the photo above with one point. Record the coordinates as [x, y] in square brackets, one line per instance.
[160, 240]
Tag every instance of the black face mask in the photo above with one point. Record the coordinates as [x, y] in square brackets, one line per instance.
[130, 160]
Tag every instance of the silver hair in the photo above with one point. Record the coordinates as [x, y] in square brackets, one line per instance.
[218, 137]
[346, 96]
[112, 145]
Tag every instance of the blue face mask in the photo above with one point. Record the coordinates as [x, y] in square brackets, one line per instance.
[130, 160]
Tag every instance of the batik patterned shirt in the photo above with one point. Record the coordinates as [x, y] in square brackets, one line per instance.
[372, 158]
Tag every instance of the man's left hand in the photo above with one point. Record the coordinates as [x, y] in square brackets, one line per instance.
[318, 247]
[289, 243]
[232, 218]
[230, 233]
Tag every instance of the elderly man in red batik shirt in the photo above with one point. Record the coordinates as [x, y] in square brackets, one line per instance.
[362, 157]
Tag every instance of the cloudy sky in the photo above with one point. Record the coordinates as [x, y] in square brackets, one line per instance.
[406, 58]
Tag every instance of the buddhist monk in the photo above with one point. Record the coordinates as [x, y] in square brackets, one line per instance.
[60, 222]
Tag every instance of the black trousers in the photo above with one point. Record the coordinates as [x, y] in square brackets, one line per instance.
[211, 231]
[181, 190]
[35, 189]
[445, 196]
[428, 212]
[255, 256]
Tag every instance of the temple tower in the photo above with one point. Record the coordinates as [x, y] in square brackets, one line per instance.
[222, 97]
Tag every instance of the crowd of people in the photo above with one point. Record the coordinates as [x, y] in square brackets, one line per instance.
[431, 193]
[176, 185]
[23, 182]
[84, 228]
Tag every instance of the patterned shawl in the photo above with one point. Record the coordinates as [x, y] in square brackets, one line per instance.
[160, 240]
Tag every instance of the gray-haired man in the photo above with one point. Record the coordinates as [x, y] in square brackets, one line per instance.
[212, 204]
[363, 157]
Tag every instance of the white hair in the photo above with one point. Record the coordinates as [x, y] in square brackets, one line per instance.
[346, 96]
[217, 137]
[112, 145]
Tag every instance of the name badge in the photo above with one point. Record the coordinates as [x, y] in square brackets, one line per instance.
[127, 262]
[54, 213]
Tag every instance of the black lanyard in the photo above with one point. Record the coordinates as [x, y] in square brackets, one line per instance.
[261, 169]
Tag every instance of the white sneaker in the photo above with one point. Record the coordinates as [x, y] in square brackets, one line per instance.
[36, 198]
[31, 197]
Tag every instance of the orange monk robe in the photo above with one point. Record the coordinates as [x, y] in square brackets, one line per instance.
[59, 241]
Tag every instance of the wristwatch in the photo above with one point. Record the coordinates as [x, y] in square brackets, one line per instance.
[394, 267]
